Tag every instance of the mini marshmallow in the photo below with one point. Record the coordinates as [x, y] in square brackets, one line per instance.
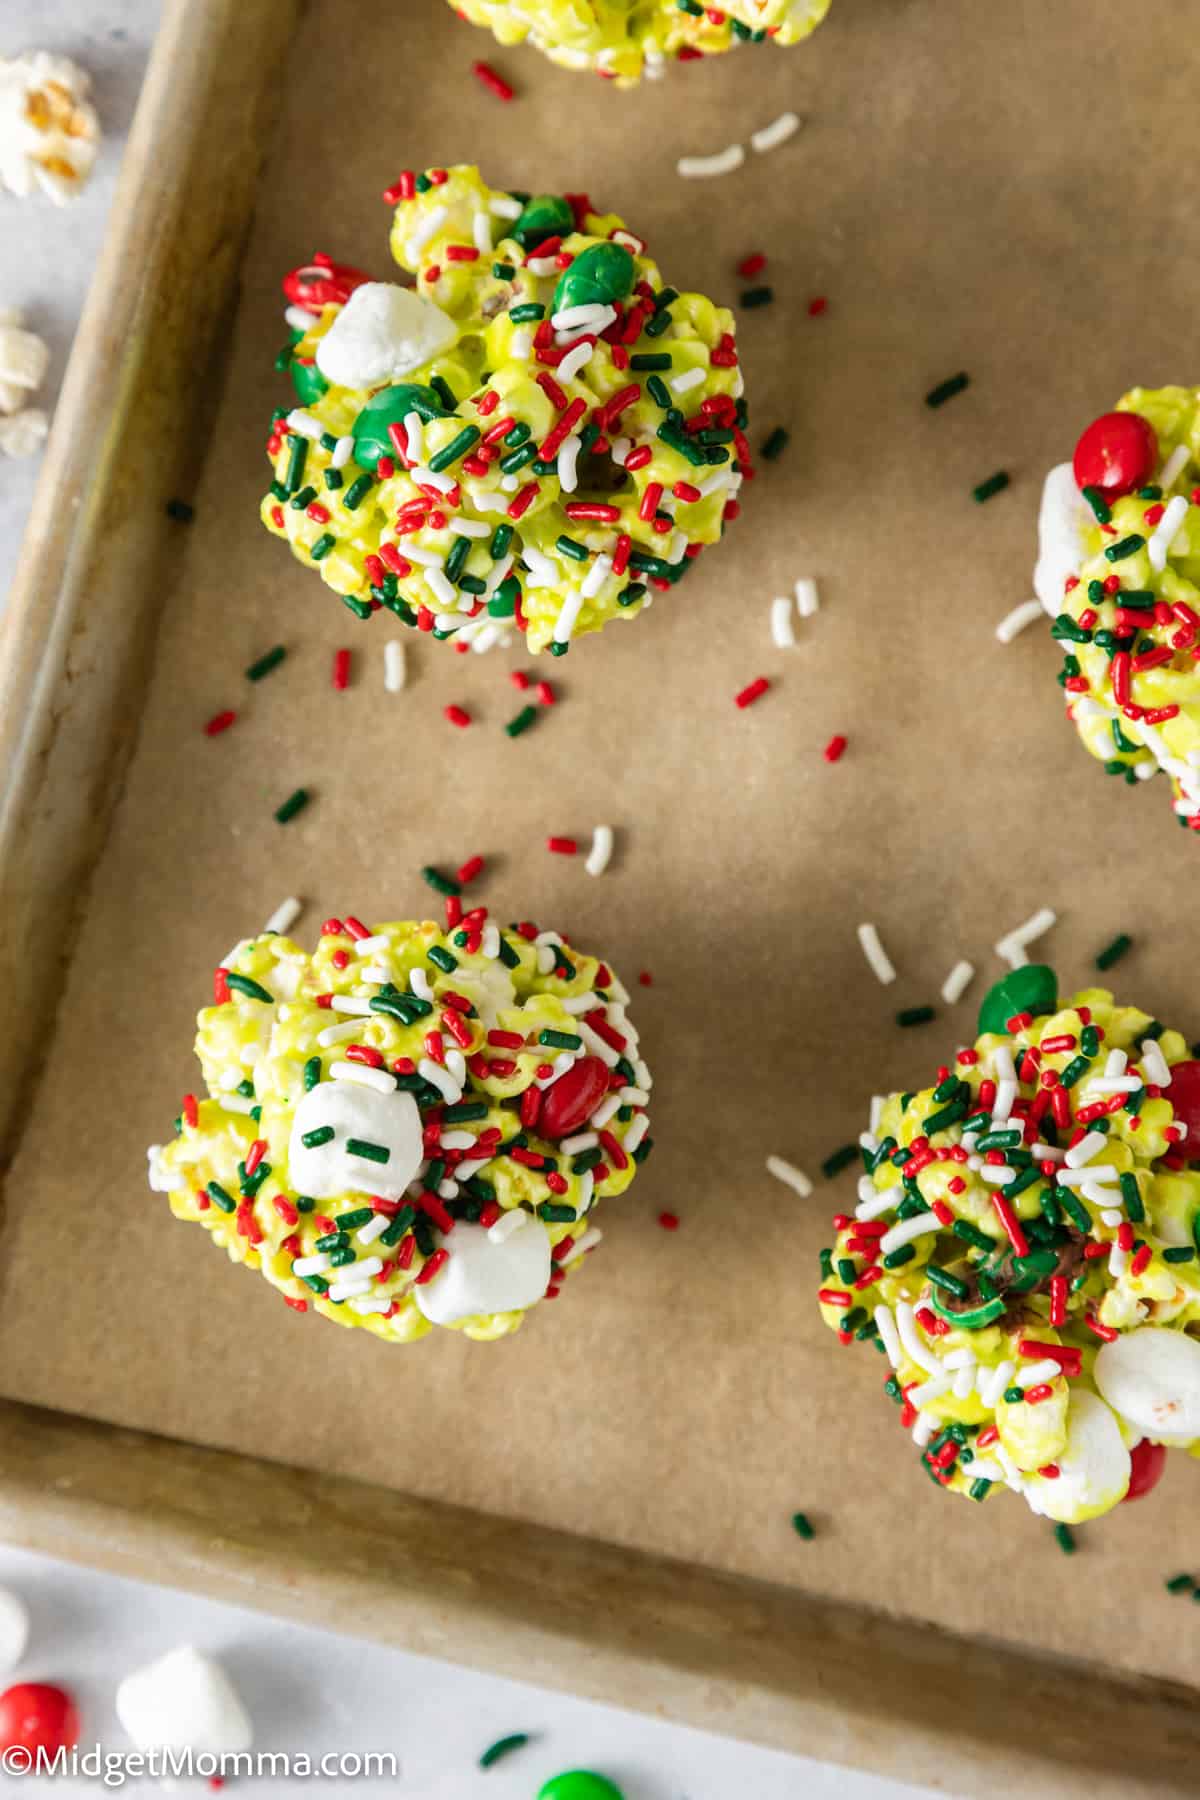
[184, 1701]
[327, 1170]
[1062, 521]
[1151, 1377]
[484, 1275]
[1093, 1471]
[381, 334]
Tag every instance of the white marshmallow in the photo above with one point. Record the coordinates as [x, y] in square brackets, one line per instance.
[14, 1630]
[1062, 521]
[486, 1276]
[382, 333]
[327, 1170]
[184, 1701]
[1152, 1378]
[1093, 1471]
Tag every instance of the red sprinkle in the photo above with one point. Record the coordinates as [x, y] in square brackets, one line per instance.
[751, 266]
[437, 1261]
[834, 749]
[669, 1221]
[457, 715]
[545, 693]
[817, 306]
[563, 846]
[470, 869]
[754, 692]
[341, 670]
[219, 722]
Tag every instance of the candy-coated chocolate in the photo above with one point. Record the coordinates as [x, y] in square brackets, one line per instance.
[579, 1784]
[36, 1715]
[321, 284]
[1117, 453]
[574, 1097]
[1148, 1461]
[1032, 989]
[599, 276]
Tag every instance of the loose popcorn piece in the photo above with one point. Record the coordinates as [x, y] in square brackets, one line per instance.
[24, 433]
[49, 131]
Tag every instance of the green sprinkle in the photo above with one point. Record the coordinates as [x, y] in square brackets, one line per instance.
[896, 1259]
[648, 361]
[522, 722]
[556, 1214]
[312, 1140]
[317, 1283]
[775, 444]
[1066, 1539]
[952, 1284]
[758, 296]
[297, 458]
[441, 884]
[442, 958]
[658, 324]
[995, 484]
[847, 1269]
[840, 1159]
[358, 491]
[292, 805]
[1075, 1070]
[220, 1197]
[312, 1073]
[253, 990]
[1126, 546]
[946, 390]
[304, 498]
[457, 447]
[464, 1110]
[971, 1234]
[369, 1152]
[570, 547]
[342, 1257]
[1179, 1584]
[504, 1746]
[1179, 1253]
[445, 393]
[361, 610]
[560, 1040]
[531, 309]
[502, 537]
[503, 271]
[1075, 1210]
[803, 1527]
[916, 1015]
[1099, 505]
[980, 1489]
[323, 546]
[399, 1225]
[333, 479]
[1112, 953]
[332, 1240]
[266, 663]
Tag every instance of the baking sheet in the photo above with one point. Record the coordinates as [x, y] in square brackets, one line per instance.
[970, 190]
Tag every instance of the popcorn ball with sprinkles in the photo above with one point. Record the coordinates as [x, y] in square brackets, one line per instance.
[1023, 1252]
[414, 1125]
[533, 438]
[623, 40]
[1119, 573]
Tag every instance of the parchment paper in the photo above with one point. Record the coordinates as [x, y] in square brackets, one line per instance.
[998, 189]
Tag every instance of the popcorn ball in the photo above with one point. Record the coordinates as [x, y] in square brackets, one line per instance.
[1024, 1252]
[49, 132]
[413, 1126]
[535, 438]
[626, 39]
[1119, 573]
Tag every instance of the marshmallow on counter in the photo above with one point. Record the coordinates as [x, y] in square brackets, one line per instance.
[184, 1701]
[14, 1630]
[1093, 1471]
[1063, 518]
[352, 1112]
[1151, 1376]
[49, 132]
[382, 333]
[486, 1274]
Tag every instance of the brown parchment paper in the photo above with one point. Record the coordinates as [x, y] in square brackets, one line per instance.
[999, 189]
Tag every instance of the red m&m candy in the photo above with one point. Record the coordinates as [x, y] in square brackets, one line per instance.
[1117, 453]
[1148, 1462]
[322, 282]
[573, 1098]
[36, 1716]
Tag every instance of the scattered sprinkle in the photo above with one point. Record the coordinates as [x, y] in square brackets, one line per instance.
[723, 162]
[817, 306]
[751, 266]
[504, 1746]
[957, 982]
[1013, 945]
[783, 634]
[669, 1221]
[220, 722]
[562, 846]
[755, 691]
[519, 679]
[1179, 1584]
[790, 1175]
[881, 963]
[775, 444]
[441, 884]
[946, 390]
[645, 979]
[522, 722]
[915, 1015]
[1066, 1539]
[394, 671]
[1112, 953]
[341, 670]
[835, 749]
[803, 1527]
[471, 870]
[284, 916]
[840, 1159]
[600, 854]
[808, 600]
[759, 296]
[994, 484]
[1019, 620]
[292, 805]
[546, 695]
[266, 663]
[769, 137]
[181, 510]
[457, 715]
[492, 81]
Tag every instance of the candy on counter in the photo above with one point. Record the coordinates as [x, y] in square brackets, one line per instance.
[579, 1784]
[49, 132]
[412, 1126]
[1024, 1250]
[14, 1630]
[184, 1701]
[36, 1715]
[623, 40]
[1119, 573]
[24, 358]
[535, 437]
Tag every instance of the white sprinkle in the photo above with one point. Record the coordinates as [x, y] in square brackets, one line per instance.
[699, 168]
[994, 1382]
[372, 1303]
[881, 964]
[601, 851]
[998, 1174]
[636, 1133]
[957, 982]
[379, 1079]
[575, 1146]
[457, 1140]
[506, 1224]
[783, 634]
[1019, 620]
[359, 1005]
[503, 206]
[1020, 938]
[777, 132]
[933, 1389]
[1118, 1261]
[304, 425]
[1154, 1065]
[1173, 467]
[284, 916]
[582, 1245]
[1168, 530]
[564, 625]
[888, 1334]
[568, 458]
[299, 318]
[924, 1429]
[808, 600]
[441, 1079]
[343, 450]
[683, 384]
[597, 575]
[907, 1230]
[592, 316]
[372, 946]
[238, 1103]
[311, 1265]
[1099, 1172]
[1085, 1149]
[1112, 1084]
[1112, 1217]
[878, 1102]
[490, 942]
[1006, 1095]
[877, 1203]
[520, 346]
[418, 982]
[349, 1287]
[414, 426]
[428, 228]
[337, 1034]
[791, 1176]
[1038, 1372]
[481, 232]
[915, 1349]
[374, 1228]
[574, 360]
[609, 1107]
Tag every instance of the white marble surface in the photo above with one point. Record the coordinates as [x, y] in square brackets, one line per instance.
[306, 1689]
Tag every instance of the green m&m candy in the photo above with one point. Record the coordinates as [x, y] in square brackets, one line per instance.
[307, 380]
[1033, 989]
[545, 216]
[579, 1784]
[390, 406]
[599, 275]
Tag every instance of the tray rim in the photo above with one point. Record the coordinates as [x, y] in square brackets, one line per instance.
[778, 1665]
